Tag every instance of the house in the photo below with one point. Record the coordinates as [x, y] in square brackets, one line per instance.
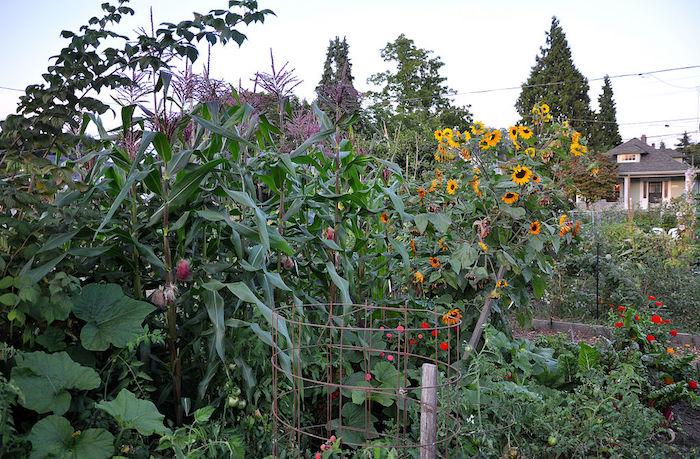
[649, 176]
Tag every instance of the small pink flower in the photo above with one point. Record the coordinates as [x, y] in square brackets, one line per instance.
[389, 335]
[368, 377]
[390, 358]
[420, 336]
[382, 327]
[183, 270]
[382, 354]
[400, 328]
[318, 456]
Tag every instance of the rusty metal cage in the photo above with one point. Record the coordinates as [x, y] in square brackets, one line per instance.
[353, 371]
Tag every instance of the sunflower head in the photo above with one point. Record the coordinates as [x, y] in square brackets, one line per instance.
[525, 132]
[421, 193]
[536, 178]
[513, 133]
[438, 135]
[451, 186]
[385, 217]
[501, 284]
[510, 197]
[434, 262]
[530, 152]
[521, 174]
[535, 227]
[478, 128]
[544, 108]
[418, 277]
[483, 246]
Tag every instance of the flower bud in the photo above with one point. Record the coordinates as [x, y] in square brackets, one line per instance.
[183, 271]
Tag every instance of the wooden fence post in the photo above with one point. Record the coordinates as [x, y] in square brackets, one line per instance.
[428, 411]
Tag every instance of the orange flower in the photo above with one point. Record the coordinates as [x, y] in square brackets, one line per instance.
[475, 185]
[452, 317]
[413, 246]
[418, 277]
[442, 245]
[385, 217]
[501, 284]
[510, 197]
[513, 133]
[421, 193]
[535, 227]
[483, 246]
[434, 262]
[576, 228]
[563, 230]
[525, 132]
[465, 155]
[536, 178]
[438, 172]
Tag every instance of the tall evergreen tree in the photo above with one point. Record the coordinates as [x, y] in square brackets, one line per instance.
[556, 81]
[606, 134]
[415, 94]
[683, 142]
[335, 89]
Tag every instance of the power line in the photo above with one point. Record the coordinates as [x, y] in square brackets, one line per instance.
[11, 89]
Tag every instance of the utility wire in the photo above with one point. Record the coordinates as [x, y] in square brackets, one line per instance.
[11, 89]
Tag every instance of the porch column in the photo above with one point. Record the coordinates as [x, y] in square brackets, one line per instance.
[627, 192]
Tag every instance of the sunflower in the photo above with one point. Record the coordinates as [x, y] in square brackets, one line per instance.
[438, 172]
[438, 135]
[435, 183]
[547, 118]
[577, 149]
[562, 219]
[475, 185]
[521, 174]
[536, 178]
[466, 136]
[501, 284]
[594, 172]
[530, 152]
[535, 227]
[447, 132]
[478, 128]
[451, 186]
[421, 193]
[413, 246]
[544, 108]
[525, 132]
[418, 277]
[536, 111]
[385, 217]
[483, 246]
[563, 230]
[434, 262]
[575, 137]
[465, 155]
[442, 246]
[576, 229]
[513, 133]
[493, 138]
[510, 197]
[452, 317]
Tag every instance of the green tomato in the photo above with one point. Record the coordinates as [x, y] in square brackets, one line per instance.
[232, 402]
[236, 391]
[552, 440]
[241, 404]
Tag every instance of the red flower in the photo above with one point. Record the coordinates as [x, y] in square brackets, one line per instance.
[667, 380]
[611, 306]
[656, 319]
[659, 303]
[434, 332]
[508, 376]
[413, 341]
[667, 321]
[636, 317]
[622, 315]
[621, 308]
[183, 271]
[651, 298]
[330, 233]
[692, 384]
[420, 336]
[673, 332]
[444, 346]
[425, 325]
[650, 338]
[619, 324]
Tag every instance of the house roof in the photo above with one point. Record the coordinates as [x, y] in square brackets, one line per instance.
[652, 160]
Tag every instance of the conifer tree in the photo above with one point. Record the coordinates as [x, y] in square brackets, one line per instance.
[606, 133]
[337, 95]
[556, 81]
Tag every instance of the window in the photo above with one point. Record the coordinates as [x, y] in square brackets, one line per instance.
[634, 158]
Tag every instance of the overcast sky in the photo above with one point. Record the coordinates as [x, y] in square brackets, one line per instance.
[484, 45]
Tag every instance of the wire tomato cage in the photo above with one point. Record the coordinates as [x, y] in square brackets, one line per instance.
[353, 372]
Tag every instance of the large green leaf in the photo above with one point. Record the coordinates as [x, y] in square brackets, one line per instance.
[588, 357]
[54, 437]
[215, 309]
[188, 184]
[45, 379]
[133, 413]
[342, 284]
[112, 317]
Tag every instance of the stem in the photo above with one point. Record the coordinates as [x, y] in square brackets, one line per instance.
[485, 312]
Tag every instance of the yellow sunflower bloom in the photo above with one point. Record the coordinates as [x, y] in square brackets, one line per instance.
[465, 155]
[521, 174]
[385, 217]
[466, 136]
[447, 132]
[577, 149]
[483, 144]
[478, 128]
[434, 262]
[513, 133]
[536, 178]
[536, 111]
[438, 135]
[442, 245]
[562, 219]
[494, 137]
[563, 230]
[575, 137]
[525, 132]
[544, 108]
[535, 227]
[421, 193]
[452, 317]
[501, 284]
[451, 187]
[530, 152]
[510, 197]
[547, 118]
[418, 277]
[438, 173]
[483, 246]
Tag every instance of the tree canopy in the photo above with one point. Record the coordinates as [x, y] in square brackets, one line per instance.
[607, 133]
